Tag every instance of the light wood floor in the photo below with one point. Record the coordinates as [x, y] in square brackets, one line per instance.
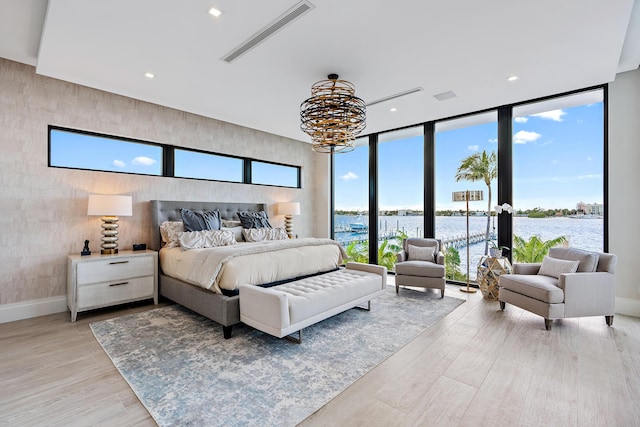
[478, 366]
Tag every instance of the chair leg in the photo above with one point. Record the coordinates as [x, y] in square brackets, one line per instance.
[547, 324]
[609, 320]
[502, 304]
[397, 288]
[441, 293]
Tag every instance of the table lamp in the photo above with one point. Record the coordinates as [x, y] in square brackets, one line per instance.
[288, 209]
[110, 207]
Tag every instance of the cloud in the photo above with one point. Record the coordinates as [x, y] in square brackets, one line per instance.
[555, 115]
[521, 119]
[589, 176]
[119, 163]
[349, 176]
[473, 147]
[523, 136]
[493, 140]
[143, 161]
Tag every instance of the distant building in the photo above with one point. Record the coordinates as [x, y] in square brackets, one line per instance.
[590, 208]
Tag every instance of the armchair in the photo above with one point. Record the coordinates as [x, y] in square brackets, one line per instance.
[568, 283]
[420, 264]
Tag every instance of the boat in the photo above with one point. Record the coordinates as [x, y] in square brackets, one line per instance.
[358, 227]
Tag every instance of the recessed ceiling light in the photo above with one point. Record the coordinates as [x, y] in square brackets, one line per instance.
[513, 78]
[215, 12]
[393, 109]
[149, 75]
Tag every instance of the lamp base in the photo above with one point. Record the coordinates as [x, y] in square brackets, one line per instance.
[288, 225]
[468, 290]
[109, 251]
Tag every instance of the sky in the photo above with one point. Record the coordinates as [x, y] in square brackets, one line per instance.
[85, 151]
[558, 162]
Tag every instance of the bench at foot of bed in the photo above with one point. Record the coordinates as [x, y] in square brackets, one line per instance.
[288, 308]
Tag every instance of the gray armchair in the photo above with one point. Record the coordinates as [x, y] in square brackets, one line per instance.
[420, 264]
[546, 290]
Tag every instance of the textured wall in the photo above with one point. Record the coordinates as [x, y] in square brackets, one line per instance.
[43, 210]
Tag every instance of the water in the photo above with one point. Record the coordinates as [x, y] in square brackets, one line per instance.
[581, 233]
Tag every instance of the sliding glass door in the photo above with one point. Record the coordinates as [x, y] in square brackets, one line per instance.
[351, 200]
[400, 191]
[466, 159]
[558, 173]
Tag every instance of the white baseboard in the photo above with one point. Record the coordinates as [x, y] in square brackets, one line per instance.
[33, 308]
[628, 306]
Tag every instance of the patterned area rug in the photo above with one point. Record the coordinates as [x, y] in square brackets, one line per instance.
[186, 374]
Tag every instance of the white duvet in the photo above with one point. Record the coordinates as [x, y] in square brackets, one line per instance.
[226, 267]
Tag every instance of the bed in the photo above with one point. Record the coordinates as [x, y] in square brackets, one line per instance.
[223, 305]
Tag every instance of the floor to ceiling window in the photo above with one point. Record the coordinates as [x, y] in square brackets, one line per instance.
[466, 159]
[351, 200]
[553, 174]
[558, 173]
[400, 191]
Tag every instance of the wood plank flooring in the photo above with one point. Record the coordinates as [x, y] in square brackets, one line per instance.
[476, 367]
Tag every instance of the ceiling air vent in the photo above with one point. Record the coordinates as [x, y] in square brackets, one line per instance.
[397, 95]
[445, 95]
[286, 18]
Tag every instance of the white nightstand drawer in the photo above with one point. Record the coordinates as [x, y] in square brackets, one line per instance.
[114, 268]
[108, 293]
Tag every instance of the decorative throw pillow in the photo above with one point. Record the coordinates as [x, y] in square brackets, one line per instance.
[262, 234]
[206, 239]
[237, 232]
[197, 221]
[170, 232]
[254, 219]
[421, 253]
[229, 223]
[555, 267]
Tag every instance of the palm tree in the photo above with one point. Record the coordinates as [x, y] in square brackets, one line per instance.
[480, 167]
[534, 249]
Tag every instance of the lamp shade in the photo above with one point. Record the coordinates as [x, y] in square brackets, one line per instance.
[109, 205]
[461, 196]
[289, 208]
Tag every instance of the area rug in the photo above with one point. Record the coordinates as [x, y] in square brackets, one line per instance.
[186, 374]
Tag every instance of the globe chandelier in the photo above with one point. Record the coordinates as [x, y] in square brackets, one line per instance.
[333, 116]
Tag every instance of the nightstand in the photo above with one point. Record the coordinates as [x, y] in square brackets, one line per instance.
[96, 281]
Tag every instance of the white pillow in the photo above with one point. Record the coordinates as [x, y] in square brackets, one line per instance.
[554, 267]
[237, 232]
[170, 232]
[421, 253]
[262, 234]
[206, 239]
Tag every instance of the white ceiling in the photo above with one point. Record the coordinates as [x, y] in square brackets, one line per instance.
[466, 46]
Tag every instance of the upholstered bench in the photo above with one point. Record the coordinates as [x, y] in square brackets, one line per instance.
[288, 308]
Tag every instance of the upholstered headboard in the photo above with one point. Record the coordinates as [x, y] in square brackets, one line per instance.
[169, 210]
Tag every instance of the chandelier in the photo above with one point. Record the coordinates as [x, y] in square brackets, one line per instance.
[333, 116]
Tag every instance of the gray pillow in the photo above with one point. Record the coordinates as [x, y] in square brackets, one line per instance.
[254, 219]
[198, 221]
[555, 267]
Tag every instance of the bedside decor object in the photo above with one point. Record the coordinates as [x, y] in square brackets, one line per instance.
[110, 207]
[139, 246]
[466, 196]
[289, 209]
[333, 116]
[85, 250]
